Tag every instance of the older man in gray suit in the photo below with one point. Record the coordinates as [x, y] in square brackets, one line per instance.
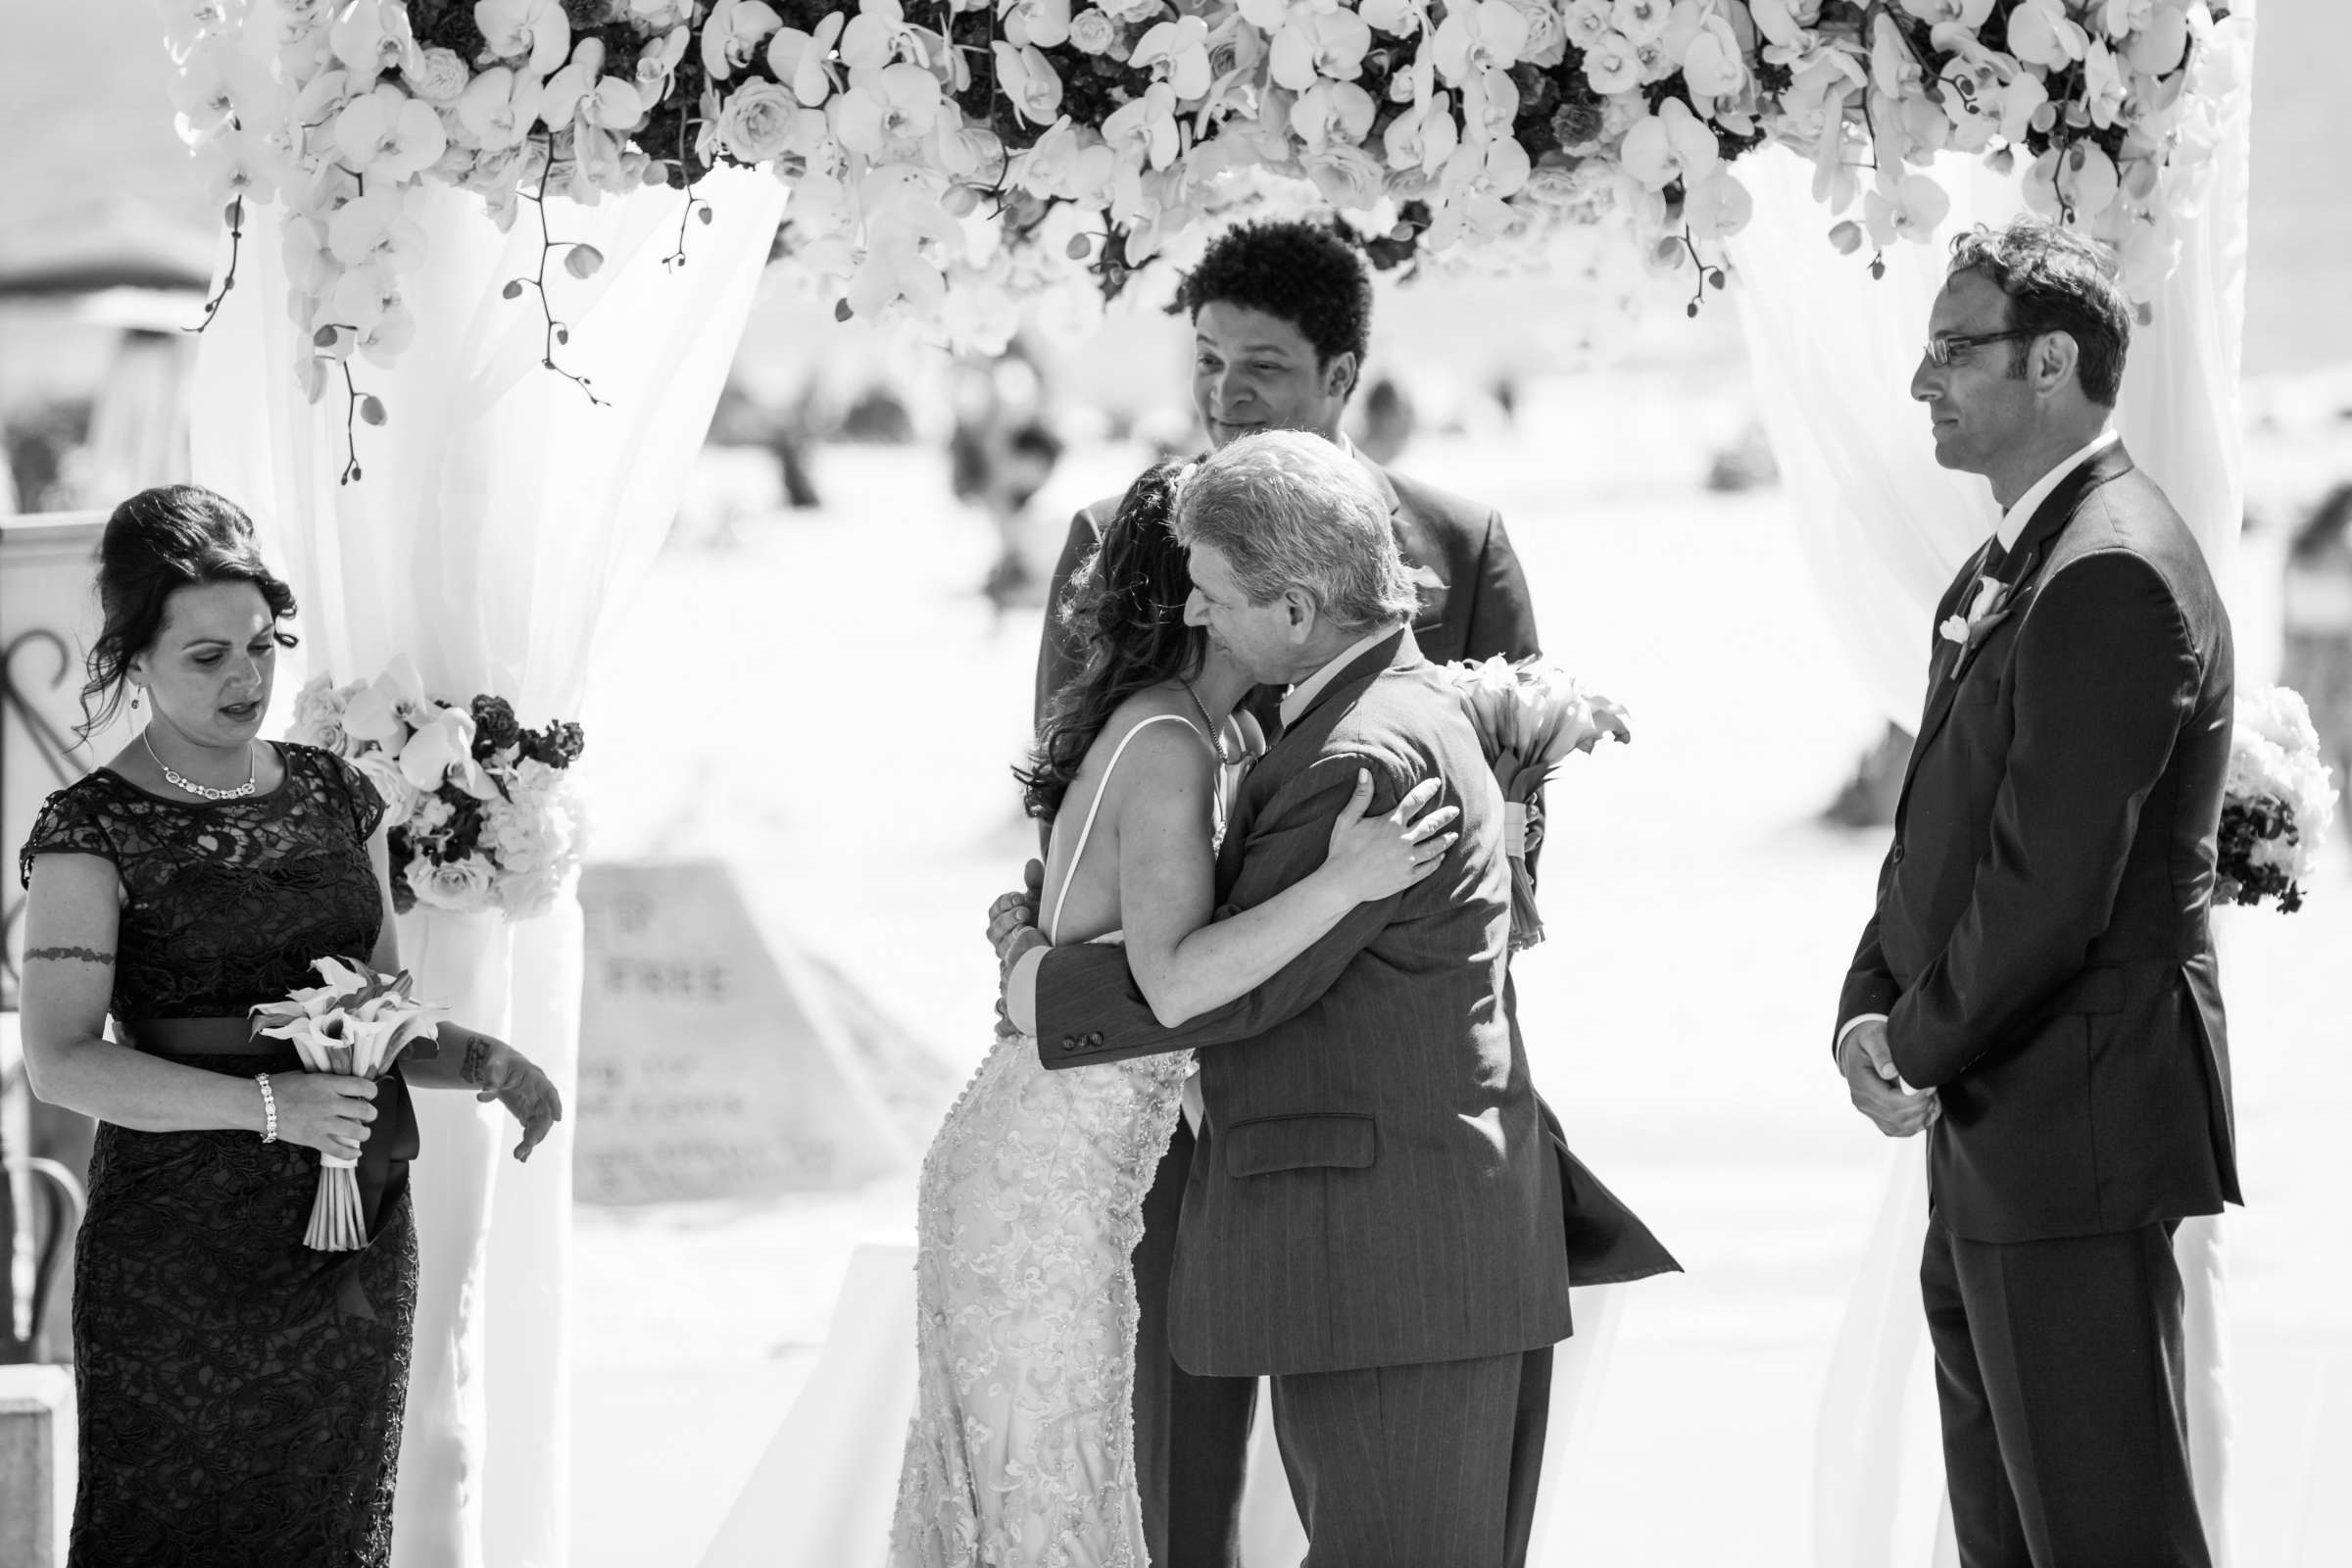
[1374, 1216]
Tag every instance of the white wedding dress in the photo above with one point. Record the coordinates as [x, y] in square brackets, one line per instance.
[1023, 1446]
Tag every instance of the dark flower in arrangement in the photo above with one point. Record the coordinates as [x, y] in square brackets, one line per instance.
[2246, 825]
[558, 746]
[495, 727]
[1577, 122]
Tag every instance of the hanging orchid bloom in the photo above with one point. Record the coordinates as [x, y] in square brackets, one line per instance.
[1967, 14]
[534, 30]
[2104, 90]
[894, 103]
[732, 35]
[1481, 36]
[1321, 46]
[1182, 45]
[2087, 180]
[1398, 19]
[560, 99]
[1908, 208]
[1671, 144]
[2041, 33]
[376, 226]
[1424, 136]
[386, 135]
[1030, 81]
[1043, 23]
[1332, 112]
[658, 62]
[799, 60]
[1145, 128]
[1787, 23]
[879, 34]
[1613, 65]
[370, 38]
[1070, 162]
[2152, 33]
[1717, 207]
[1712, 63]
[498, 108]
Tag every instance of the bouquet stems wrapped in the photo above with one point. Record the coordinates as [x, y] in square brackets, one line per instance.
[357, 1023]
[1531, 716]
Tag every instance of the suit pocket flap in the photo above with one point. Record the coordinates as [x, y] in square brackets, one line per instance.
[1268, 1144]
[2096, 990]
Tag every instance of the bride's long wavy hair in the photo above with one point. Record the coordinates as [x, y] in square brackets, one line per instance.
[1126, 603]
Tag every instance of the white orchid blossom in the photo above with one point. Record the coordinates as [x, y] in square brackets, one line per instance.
[799, 59]
[2041, 33]
[386, 135]
[1905, 206]
[894, 103]
[1145, 128]
[1321, 44]
[733, 33]
[1477, 37]
[1671, 144]
[1182, 45]
[536, 31]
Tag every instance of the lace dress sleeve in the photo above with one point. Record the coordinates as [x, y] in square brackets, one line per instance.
[69, 824]
[356, 790]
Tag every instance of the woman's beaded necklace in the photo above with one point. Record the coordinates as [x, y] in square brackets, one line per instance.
[192, 786]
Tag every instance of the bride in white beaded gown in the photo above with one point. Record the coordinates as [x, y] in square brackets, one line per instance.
[1021, 1448]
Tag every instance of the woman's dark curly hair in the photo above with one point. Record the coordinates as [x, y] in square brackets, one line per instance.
[1126, 602]
[174, 536]
[1298, 271]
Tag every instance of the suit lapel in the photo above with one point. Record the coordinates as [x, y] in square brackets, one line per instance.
[2018, 577]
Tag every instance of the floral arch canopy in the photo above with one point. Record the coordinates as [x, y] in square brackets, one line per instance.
[949, 159]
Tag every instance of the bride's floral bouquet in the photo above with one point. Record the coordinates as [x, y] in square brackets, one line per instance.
[1531, 716]
[2277, 803]
[482, 815]
[357, 1023]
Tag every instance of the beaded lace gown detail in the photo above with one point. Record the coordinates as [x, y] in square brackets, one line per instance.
[240, 1394]
[1022, 1446]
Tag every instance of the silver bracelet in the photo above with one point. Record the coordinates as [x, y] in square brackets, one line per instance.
[268, 1108]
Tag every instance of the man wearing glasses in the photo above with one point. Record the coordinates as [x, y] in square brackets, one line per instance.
[2035, 989]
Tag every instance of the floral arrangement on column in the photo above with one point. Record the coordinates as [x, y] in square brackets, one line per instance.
[949, 160]
[481, 811]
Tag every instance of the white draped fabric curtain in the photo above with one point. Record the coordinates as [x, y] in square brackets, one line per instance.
[498, 513]
[1883, 529]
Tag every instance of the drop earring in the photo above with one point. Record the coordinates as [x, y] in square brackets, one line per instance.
[134, 699]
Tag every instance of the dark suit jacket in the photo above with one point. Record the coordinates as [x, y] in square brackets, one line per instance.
[1375, 1184]
[2041, 941]
[1474, 602]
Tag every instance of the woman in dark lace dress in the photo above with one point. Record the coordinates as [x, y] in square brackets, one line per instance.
[240, 1393]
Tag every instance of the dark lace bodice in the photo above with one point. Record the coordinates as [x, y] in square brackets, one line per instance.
[226, 903]
[241, 1396]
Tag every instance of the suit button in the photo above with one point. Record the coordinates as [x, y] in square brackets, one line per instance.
[1898, 854]
[1069, 1041]
[1095, 1039]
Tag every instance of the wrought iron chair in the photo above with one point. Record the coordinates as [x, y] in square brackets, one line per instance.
[49, 1207]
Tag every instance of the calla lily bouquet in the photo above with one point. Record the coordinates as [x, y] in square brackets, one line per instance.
[2277, 804]
[355, 1022]
[1531, 716]
[481, 813]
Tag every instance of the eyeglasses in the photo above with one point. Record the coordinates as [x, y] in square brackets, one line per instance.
[1942, 345]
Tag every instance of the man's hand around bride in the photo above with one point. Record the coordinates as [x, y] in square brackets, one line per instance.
[1015, 911]
[1374, 857]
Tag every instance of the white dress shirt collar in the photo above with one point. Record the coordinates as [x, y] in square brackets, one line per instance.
[2014, 521]
[1294, 702]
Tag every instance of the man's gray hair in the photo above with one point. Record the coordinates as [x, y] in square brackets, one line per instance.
[1287, 509]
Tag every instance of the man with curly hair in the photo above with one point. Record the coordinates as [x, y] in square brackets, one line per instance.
[1282, 317]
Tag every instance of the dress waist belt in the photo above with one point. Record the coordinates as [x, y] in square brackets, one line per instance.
[391, 1138]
